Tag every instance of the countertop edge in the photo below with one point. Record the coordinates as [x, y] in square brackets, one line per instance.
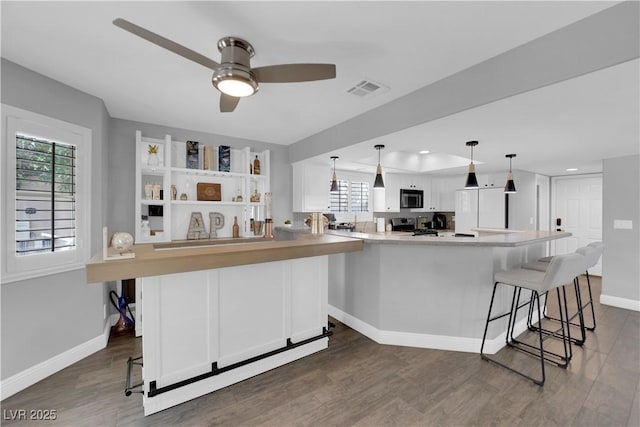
[508, 239]
[180, 260]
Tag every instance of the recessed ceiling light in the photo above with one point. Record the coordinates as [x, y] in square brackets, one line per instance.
[572, 169]
[424, 152]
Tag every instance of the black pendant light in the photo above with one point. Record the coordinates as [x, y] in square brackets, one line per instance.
[379, 183]
[334, 181]
[472, 181]
[510, 187]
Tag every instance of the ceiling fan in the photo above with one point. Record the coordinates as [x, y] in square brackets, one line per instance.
[234, 77]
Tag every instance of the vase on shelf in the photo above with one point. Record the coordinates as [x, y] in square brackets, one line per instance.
[153, 159]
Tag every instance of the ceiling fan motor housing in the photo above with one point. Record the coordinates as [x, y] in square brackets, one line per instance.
[235, 62]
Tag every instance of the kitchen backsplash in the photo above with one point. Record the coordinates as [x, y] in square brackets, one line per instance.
[366, 225]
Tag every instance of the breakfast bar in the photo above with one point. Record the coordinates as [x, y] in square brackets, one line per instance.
[428, 291]
[220, 311]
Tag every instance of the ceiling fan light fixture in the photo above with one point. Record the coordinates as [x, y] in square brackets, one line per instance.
[234, 81]
[235, 87]
[379, 182]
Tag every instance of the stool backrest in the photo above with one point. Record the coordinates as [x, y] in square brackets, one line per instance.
[599, 247]
[563, 269]
[590, 254]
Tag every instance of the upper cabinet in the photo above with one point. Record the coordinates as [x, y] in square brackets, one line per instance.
[216, 185]
[311, 185]
[392, 184]
[443, 193]
[486, 180]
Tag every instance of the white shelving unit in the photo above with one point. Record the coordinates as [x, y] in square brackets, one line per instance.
[171, 222]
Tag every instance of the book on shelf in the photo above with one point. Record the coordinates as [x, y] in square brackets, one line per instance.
[208, 162]
[224, 158]
[193, 161]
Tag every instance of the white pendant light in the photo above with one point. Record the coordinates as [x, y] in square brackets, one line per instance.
[379, 183]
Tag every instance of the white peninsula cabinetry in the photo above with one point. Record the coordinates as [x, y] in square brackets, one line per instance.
[168, 218]
[204, 328]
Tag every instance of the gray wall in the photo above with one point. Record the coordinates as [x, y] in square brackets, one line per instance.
[522, 205]
[121, 210]
[621, 200]
[46, 316]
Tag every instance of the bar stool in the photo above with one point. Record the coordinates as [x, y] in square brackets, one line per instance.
[592, 252]
[562, 269]
[542, 265]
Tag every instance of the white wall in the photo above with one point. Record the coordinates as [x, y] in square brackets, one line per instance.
[611, 37]
[621, 259]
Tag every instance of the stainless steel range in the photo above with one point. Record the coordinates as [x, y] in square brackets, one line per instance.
[403, 224]
[409, 224]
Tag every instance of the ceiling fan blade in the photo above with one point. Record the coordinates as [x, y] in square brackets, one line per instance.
[228, 103]
[287, 73]
[174, 47]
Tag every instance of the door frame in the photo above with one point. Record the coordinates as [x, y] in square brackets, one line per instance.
[552, 204]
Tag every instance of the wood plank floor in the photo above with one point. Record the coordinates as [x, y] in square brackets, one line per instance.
[359, 382]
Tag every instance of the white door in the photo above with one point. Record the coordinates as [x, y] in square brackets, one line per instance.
[577, 203]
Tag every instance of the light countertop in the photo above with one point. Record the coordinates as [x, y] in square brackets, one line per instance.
[507, 238]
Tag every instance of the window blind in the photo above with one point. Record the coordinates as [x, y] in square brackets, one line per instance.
[339, 200]
[45, 196]
[359, 196]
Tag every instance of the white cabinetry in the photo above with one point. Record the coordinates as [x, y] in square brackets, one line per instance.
[443, 193]
[168, 218]
[198, 324]
[392, 183]
[311, 185]
[491, 180]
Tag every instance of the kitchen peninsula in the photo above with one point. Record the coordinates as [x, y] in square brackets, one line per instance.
[215, 314]
[427, 291]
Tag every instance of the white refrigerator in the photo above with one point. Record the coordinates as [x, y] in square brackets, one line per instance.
[484, 207]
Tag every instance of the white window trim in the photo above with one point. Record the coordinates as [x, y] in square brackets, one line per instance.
[14, 268]
[350, 215]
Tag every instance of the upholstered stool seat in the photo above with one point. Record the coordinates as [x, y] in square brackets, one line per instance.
[561, 270]
[592, 252]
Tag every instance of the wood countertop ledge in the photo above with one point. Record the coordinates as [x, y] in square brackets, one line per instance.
[155, 260]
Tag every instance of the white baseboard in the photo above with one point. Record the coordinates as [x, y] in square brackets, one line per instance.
[629, 304]
[436, 342]
[32, 375]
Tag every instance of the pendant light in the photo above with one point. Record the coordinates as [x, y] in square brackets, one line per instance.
[379, 183]
[334, 181]
[472, 181]
[510, 187]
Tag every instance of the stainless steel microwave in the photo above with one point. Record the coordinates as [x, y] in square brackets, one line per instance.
[411, 198]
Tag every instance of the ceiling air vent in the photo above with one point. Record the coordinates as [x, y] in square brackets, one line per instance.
[366, 88]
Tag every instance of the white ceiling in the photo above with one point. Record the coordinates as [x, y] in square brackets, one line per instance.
[403, 45]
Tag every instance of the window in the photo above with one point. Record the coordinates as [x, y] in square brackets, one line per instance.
[359, 196]
[45, 192]
[352, 196]
[339, 200]
[45, 196]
